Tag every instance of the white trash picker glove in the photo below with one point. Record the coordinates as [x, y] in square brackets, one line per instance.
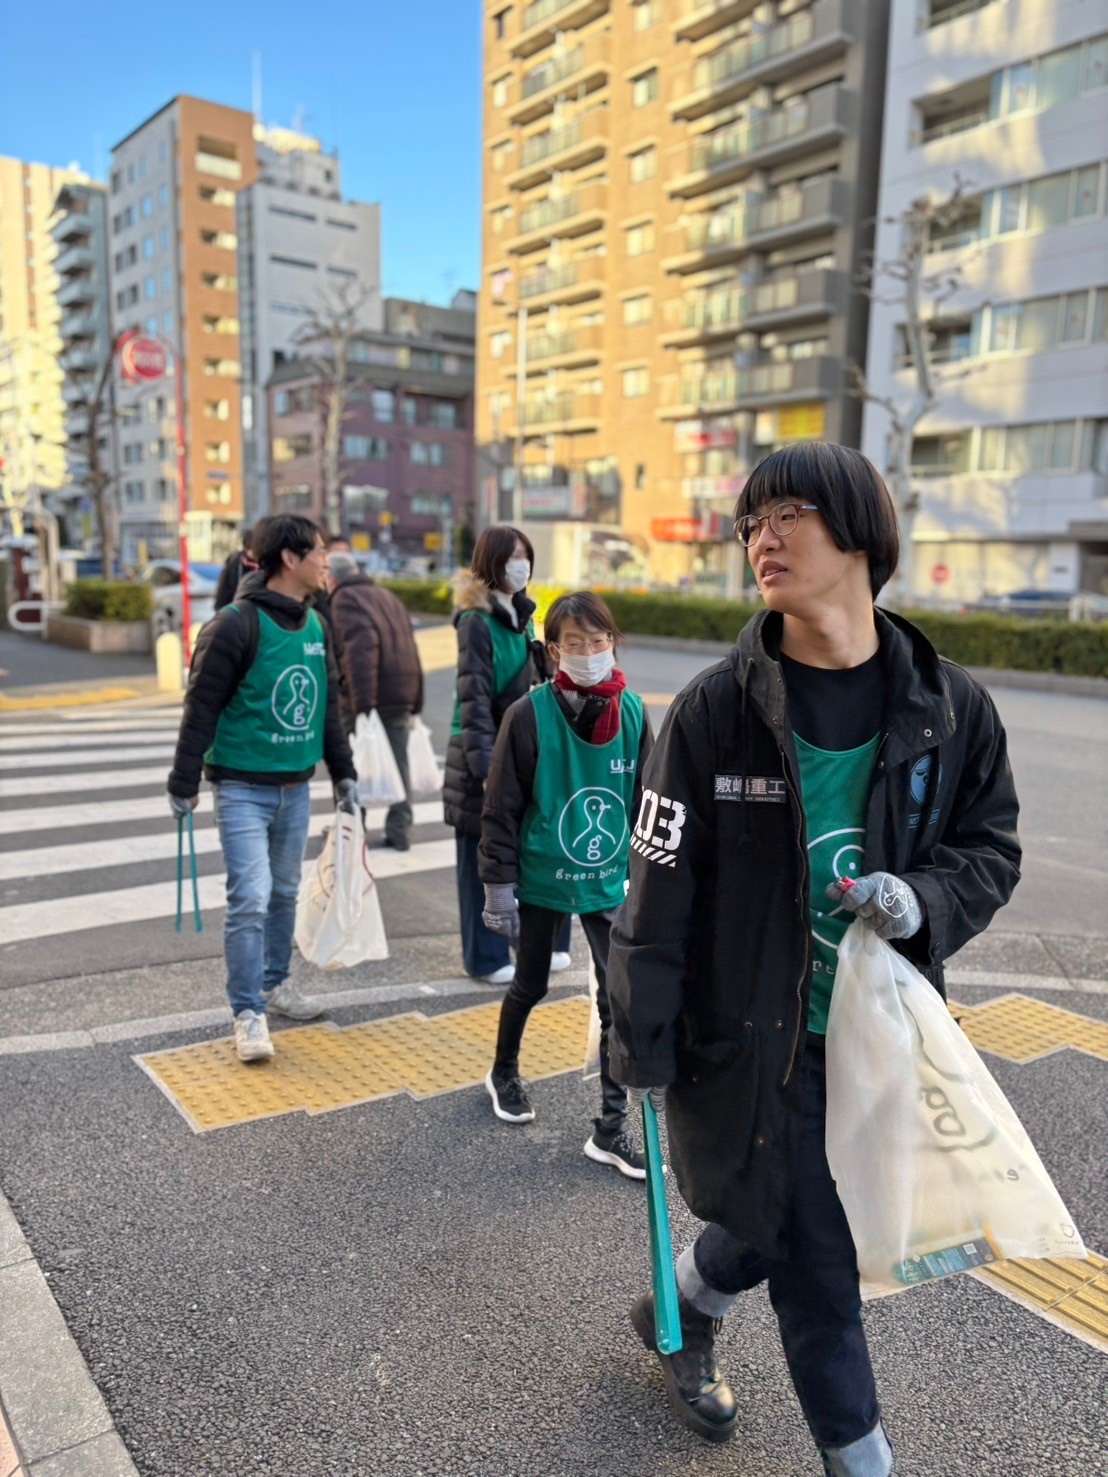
[501, 913]
[883, 902]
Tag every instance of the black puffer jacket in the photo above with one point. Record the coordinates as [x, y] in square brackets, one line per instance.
[480, 709]
[709, 969]
[225, 649]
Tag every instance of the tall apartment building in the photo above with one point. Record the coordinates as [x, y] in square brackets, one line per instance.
[677, 199]
[407, 454]
[80, 230]
[302, 248]
[175, 274]
[1012, 464]
[32, 411]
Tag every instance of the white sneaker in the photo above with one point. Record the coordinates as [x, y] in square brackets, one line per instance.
[560, 961]
[287, 1000]
[500, 976]
[252, 1037]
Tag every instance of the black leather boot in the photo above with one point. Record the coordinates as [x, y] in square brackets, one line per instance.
[698, 1395]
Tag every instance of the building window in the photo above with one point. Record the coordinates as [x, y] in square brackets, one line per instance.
[163, 151]
[500, 23]
[500, 92]
[217, 451]
[409, 410]
[640, 239]
[365, 448]
[150, 287]
[147, 207]
[500, 156]
[430, 454]
[644, 88]
[213, 195]
[635, 382]
[294, 261]
[117, 181]
[500, 343]
[163, 238]
[167, 280]
[501, 219]
[282, 402]
[637, 310]
[288, 448]
[384, 406]
[222, 240]
[644, 165]
[220, 410]
[163, 196]
[645, 13]
[444, 415]
[499, 283]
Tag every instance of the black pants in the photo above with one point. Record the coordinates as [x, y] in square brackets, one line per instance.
[538, 928]
[397, 723]
[815, 1291]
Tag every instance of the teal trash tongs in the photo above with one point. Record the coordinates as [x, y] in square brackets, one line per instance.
[667, 1320]
[181, 824]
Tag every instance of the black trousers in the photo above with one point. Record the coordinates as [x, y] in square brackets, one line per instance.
[538, 928]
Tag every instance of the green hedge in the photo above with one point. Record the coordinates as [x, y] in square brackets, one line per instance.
[1031, 644]
[109, 600]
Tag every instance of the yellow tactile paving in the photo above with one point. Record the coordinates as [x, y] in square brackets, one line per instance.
[320, 1068]
[1022, 1030]
[1073, 1294]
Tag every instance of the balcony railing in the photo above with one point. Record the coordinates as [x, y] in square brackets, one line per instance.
[581, 71]
[937, 12]
[702, 17]
[78, 360]
[77, 326]
[763, 383]
[543, 155]
[544, 18]
[80, 290]
[570, 282]
[717, 80]
[580, 344]
[74, 259]
[737, 150]
[563, 410]
[552, 72]
[567, 215]
[73, 226]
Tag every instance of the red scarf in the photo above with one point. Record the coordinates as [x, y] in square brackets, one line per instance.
[607, 725]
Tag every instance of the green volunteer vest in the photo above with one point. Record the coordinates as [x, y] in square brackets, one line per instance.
[576, 837]
[510, 651]
[274, 723]
[835, 789]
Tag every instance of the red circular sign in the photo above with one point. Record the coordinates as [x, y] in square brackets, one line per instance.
[940, 573]
[142, 359]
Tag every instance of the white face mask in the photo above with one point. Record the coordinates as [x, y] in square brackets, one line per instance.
[516, 574]
[587, 671]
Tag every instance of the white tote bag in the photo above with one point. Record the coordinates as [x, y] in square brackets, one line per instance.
[424, 774]
[379, 781]
[338, 911]
[934, 1170]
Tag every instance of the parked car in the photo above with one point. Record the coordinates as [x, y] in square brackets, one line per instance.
[164, 578]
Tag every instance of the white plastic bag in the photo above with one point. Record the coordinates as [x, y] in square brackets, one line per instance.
[379, 781]
[424, 774]
[934, 1170]
[338, 912]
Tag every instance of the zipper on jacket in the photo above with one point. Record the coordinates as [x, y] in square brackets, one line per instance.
[805, 885]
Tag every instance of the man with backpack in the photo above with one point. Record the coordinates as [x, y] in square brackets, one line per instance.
[833, 766]
[261, 711]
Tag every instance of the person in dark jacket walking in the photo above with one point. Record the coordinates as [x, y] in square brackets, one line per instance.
[379, 666]
[832, 743]
[565, 780]
[235, 569]
[260, 712]
[499, 660]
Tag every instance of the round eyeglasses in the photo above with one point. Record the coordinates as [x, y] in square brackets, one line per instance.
[782, 520]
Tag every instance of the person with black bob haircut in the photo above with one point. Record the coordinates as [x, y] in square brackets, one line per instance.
[499, 660]
[261, 711]
[832, 767]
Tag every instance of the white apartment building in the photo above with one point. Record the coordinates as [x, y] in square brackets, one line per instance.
[1012, 463]
[300, 244]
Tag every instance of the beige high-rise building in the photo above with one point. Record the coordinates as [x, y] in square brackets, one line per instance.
[32, 411]
[677, 198]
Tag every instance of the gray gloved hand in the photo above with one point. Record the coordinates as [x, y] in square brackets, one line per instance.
[346, 796]
[182, 805]
[501, 914]
[657, 1095]
[883, 902]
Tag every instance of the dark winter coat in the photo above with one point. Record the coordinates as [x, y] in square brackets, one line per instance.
[224, 651]
[234, 571]
[469, 753]
[375, 650]
[511, 781]
[710, 955]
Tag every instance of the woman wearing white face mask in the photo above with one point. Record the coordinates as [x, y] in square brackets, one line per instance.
[563, 793]
[499, 660]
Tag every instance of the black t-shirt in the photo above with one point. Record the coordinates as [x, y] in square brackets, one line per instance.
[835, 709]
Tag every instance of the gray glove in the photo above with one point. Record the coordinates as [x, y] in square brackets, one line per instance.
[346, 796]
[883, 902]
[501, 914]
[182, 805]
[657, 1096]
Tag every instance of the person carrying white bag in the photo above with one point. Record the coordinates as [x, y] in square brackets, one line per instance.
[338, 911]
[833, 742]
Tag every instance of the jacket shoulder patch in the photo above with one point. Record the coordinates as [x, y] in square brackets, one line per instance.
[759, 789]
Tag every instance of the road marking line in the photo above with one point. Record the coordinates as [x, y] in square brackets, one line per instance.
[65, 746]
[91, 856]
[21, 922]
[320, 1068]
[48, 757]
[108, 812]
[102, 781]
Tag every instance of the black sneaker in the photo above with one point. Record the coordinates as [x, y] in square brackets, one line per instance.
[509, 1101]
[698, 1395]
[616, 1149]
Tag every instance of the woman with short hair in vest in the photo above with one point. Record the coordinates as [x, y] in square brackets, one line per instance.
[562, 794]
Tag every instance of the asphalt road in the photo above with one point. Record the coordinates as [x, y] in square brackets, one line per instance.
[409, 1287]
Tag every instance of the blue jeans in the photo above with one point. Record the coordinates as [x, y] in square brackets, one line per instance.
[263, 830]
[814, 1293]
[484, 952]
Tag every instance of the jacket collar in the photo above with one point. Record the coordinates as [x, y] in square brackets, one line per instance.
[470, 593]
[919, 711]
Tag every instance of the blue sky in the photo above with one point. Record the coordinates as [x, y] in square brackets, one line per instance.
[395, 85]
